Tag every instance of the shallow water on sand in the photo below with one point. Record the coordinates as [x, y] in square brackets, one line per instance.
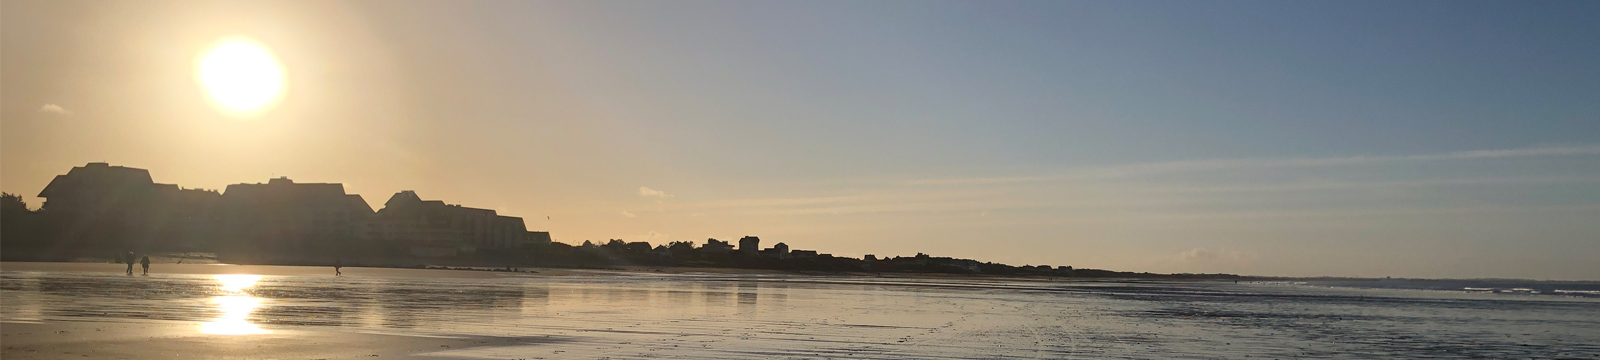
[629, 315]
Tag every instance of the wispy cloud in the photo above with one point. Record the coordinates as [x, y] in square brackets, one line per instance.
[627, 214]
[1226, 164]
[1357, 185]
[1354, 212]
[54, 109]
[648, 192]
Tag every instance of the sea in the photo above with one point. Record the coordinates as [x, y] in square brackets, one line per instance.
[644, 315]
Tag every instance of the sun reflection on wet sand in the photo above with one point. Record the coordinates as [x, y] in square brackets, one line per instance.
[235, 307]
[738, 317]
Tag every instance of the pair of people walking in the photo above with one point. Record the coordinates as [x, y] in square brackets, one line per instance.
[143, 262]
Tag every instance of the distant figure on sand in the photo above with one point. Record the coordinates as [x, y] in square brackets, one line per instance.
[145, 262]
[336, 265]
[129, 257]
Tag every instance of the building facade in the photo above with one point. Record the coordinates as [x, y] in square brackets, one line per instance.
[714, 246]
[431, 228]
[282, 221]
[750, 245]
[100, 207]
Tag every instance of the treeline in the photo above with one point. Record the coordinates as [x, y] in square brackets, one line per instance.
[683, 253]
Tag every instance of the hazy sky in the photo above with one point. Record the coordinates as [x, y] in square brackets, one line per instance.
[1382, 138]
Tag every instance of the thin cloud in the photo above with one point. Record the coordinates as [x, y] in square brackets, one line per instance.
[1224, 164]
[627, 214]
[1344, 185]
[54, 109]
[648, 192]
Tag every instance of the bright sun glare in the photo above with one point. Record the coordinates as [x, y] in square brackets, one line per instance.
[241, 76]
[234, 307]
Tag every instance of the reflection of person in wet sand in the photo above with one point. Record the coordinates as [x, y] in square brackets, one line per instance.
[337, 263]
[129, 258]
[145, 262]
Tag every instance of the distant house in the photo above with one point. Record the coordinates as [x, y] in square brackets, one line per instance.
[714, 246]
[779, 251]
[803, 254]
[749, 245]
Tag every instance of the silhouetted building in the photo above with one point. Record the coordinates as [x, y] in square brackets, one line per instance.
[538, 238]
[422, 228]
[750, 245]
[779, 251]
[433, 228]
[97, 187]
[714, 246]
[283, 221]
[505, 232]
[803, 254]
[186, 217]
[97, 207]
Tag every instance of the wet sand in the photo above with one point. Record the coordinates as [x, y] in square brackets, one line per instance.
[86, 311]
[155, 340]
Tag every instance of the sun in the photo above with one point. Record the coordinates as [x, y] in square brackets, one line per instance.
[241, 76]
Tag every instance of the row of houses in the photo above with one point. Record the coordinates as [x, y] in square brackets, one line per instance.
[751, 246]
[108, 206]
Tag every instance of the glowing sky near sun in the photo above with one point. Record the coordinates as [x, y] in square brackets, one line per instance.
[241, 76]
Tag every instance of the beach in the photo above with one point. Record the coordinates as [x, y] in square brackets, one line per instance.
[93, 311]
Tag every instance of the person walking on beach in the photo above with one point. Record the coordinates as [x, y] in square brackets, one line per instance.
[129, 257]
[145, 262]
[337, 263]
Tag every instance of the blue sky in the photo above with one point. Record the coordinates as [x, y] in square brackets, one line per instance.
[1422, 138]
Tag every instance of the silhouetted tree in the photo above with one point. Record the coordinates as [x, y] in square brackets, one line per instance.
[638, 248]
[20, 229]
[683, 250]
[12, 204]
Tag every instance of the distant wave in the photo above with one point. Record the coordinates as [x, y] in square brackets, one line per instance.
[1585, 292]
[1586, 289]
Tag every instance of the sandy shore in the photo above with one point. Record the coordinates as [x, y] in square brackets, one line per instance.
[181, 340]
[135, 337]
[177, 340]
[91, 311]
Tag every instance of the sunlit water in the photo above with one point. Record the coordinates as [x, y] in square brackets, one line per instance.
[742, 317]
